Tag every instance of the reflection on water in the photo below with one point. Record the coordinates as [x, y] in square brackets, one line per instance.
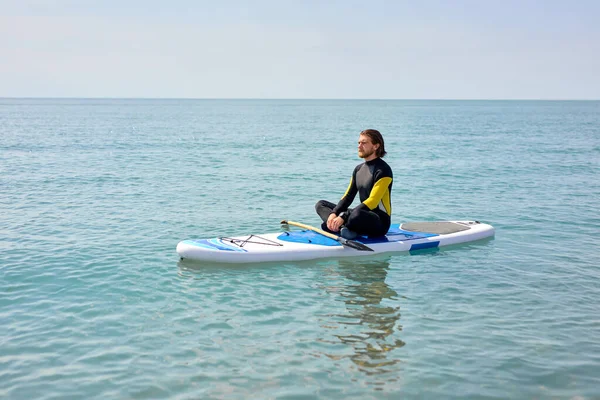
[364, 311]
[372, 313]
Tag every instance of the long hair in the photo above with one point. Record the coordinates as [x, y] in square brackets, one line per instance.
[376, 138]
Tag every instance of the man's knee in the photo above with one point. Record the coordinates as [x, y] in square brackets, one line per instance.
[321, 204]
[354, 216]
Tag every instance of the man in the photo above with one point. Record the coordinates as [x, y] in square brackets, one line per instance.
[372, 180]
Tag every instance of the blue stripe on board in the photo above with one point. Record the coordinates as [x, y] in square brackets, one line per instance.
[308, 237]
[395, 234]
[426, 245]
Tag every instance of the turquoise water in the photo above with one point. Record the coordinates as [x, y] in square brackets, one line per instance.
[94, 302]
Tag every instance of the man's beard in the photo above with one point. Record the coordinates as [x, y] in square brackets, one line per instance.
[364, 154]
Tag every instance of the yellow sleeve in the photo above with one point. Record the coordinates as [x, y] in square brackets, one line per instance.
[378, 193]
[349, 189]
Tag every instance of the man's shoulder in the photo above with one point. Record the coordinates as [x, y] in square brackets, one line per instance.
[376, 166]
[382, 164]
[384, 167]
[382, 161]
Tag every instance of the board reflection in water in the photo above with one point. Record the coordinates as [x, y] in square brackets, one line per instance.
[370, 324]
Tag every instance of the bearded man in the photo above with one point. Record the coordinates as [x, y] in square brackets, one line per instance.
[372, 180]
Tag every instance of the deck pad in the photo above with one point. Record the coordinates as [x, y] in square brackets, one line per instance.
[441, 227]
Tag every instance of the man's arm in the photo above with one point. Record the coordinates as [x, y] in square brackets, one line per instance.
[347, 198]
[379, 190]
[335, 221]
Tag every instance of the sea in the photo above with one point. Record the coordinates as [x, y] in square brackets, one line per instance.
[95, 303]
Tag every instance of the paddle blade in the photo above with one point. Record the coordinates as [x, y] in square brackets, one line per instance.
[354, 244]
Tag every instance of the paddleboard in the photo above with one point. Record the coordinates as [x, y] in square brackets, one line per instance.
[307, 244]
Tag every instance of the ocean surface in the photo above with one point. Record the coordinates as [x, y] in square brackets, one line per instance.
[95, 194]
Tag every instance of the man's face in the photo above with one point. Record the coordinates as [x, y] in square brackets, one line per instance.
[365, 147]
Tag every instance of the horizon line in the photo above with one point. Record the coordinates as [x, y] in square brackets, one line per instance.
[288, 98]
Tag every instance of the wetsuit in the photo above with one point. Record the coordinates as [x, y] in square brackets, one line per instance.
[372, 180]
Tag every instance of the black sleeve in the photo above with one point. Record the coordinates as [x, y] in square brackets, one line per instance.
[348, 197]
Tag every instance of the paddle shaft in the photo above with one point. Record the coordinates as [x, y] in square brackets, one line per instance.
[311, 228]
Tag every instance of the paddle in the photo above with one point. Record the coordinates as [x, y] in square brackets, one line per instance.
[345, 242]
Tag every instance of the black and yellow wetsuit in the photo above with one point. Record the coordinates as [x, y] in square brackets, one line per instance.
[372, 180]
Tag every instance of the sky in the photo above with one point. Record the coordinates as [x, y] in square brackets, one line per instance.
[428, 49]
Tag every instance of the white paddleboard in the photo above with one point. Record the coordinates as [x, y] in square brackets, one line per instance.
[308, 245]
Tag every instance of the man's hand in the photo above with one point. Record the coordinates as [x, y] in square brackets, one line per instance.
[334, 223]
